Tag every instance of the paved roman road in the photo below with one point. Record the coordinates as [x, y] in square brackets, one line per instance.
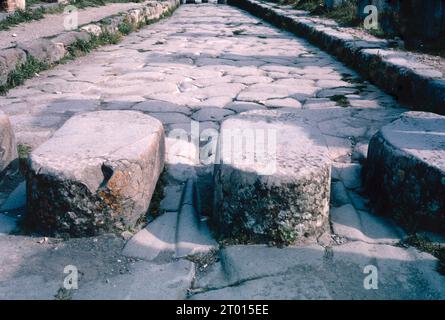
[205, 63]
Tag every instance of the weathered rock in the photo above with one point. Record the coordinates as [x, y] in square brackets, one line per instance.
[69, 38]
[405, 172]
[8, 147]
[97, 173]
[16, 200]
[276, 187]
[193, 235]
[311, 272]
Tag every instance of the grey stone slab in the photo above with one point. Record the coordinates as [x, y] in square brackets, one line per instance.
[103, 180]
[283, 103]
[350, 174]
[289, 175]
[337, 273]
[170, 117]
[339, 194]
[172, 198]
[157, 241]
[363, 226]
[247, 262]
[239, 106]
[211, 114]
[161, 106]
[405, 173]
[16, 200]
[294, 286]
[7, 224]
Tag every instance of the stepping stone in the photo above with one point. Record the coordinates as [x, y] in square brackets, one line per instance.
[156, 242]
[211, 114]
[147, 281]
[276, 185]
[405, 172]
[8, 147]
[96, 174]
[193, 236]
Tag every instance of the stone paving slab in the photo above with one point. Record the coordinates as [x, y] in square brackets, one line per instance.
[33, 268]
[316, 273]
[53, 24]
[187, 61]
[405, 171]
[145, 281]
[48, 50]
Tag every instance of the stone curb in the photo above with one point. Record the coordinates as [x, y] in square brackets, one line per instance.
[419, 86]
[53, 49]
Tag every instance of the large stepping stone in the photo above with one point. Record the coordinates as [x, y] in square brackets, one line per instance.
[275, 186]
[405, 172]
[8, 147]
[96, 174]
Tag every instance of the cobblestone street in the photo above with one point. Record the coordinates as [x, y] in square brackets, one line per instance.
[203, 64]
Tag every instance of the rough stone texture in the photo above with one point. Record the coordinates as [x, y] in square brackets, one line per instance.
[193, 235]
[362, 226]
[144, 282]
[52, 45]
[97, 173]
[419, 23]
[174, 234]
[33, 269]
[156, 242]
[9, 60]
[164, 56]
[312, 272]
[397, 72]
[278, 187]
[7, 224]
[8, 147]
[44, 50]
[405, 173]
[16, 200]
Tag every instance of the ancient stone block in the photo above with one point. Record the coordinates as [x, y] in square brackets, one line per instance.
[96, 174]
[405, 170]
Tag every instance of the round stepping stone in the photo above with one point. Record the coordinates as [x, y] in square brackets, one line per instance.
[96, 174]
[405, 171]
[272, 179]
[8, 148]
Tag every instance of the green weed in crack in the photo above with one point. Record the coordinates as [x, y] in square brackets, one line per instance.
[426, 245]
